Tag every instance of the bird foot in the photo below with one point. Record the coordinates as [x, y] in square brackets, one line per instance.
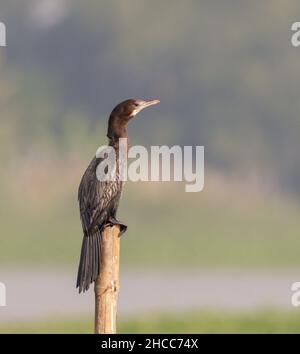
[114, 221]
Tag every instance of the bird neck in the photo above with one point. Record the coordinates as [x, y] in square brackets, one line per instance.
[117, 128]
[116, 144]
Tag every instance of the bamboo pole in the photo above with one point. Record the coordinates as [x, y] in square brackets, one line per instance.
[107, 284]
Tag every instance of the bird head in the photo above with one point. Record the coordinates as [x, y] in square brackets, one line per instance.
[122, 114]
[130, 108]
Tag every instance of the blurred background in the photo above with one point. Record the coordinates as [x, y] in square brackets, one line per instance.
[222, 260]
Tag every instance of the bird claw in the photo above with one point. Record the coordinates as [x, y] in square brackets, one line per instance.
[113, 221]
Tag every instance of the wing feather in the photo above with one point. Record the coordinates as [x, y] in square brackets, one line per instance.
[94, 197]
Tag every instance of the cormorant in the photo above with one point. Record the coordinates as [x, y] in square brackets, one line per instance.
[99, 200]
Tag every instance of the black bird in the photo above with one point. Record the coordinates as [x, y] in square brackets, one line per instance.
[99, 200]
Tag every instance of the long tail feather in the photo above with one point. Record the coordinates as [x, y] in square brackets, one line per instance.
[89, 264]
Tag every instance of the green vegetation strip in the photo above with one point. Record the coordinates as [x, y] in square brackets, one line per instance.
[206, 322]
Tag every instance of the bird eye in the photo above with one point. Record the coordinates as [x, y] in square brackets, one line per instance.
[136, 104]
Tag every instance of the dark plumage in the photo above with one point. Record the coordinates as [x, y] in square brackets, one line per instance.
[99, 200]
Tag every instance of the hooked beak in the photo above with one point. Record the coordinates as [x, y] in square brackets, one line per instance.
[148, 103]
[143, 104]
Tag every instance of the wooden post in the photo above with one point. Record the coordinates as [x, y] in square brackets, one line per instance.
[107, 284]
